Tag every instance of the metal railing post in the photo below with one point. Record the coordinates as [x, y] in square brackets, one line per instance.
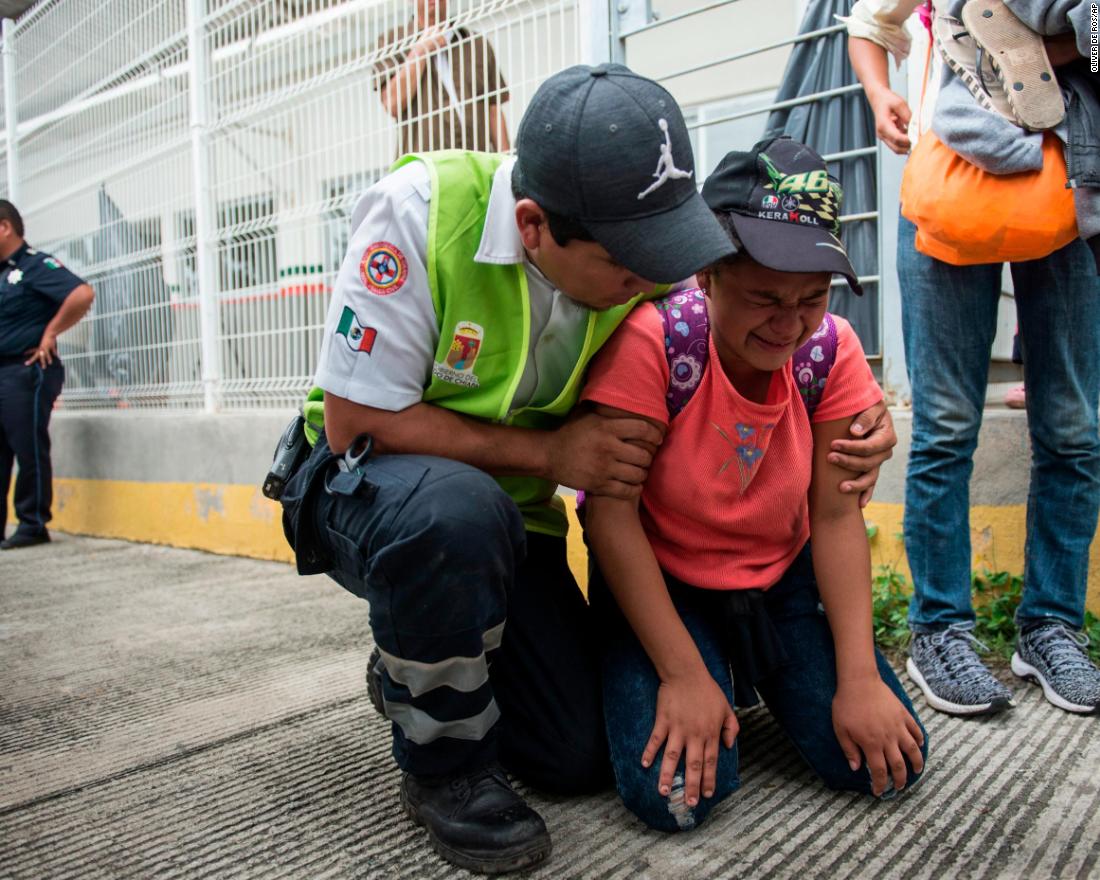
[595, 24]
[627, 16]
[205, 257]
[895, 379]
[11, 116]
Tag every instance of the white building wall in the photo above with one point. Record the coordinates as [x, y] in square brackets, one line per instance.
[727, 30]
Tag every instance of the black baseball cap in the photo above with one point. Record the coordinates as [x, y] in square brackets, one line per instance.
[785, 207]
[608, 148]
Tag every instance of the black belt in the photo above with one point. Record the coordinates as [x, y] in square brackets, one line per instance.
[10, 360]
[753, 645]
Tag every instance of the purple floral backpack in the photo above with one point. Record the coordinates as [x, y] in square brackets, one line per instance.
[687, 329]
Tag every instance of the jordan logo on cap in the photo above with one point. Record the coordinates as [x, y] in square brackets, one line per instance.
[666, 166]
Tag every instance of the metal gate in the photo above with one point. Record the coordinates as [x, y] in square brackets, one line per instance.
[196, 160]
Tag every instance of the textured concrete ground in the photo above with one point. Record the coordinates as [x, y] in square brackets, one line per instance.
[167, 713]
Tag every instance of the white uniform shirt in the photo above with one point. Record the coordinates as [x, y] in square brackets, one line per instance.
[381, 332]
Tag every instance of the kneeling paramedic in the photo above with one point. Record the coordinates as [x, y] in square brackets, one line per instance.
[475, 290]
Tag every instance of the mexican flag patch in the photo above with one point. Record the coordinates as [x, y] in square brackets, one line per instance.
[358, 337]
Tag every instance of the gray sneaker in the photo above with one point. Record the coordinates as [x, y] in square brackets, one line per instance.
[1056, 658]
[944, 665]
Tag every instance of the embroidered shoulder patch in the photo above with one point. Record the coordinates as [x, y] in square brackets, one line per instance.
[458, 368]
[383, 268]
[358, 336]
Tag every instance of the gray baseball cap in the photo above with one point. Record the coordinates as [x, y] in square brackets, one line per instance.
[606, 147]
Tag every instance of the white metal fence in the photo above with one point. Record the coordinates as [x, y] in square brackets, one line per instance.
[211, 219]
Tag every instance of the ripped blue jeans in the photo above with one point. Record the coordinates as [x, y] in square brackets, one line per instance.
[799, 694]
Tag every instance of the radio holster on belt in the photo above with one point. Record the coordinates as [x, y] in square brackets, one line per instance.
[296, 477]
[289, 455]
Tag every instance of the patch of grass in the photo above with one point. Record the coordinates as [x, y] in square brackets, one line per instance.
[1092, 630]
[890, 594]
[996, 596]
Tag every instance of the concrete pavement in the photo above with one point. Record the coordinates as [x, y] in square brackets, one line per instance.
[169, 713]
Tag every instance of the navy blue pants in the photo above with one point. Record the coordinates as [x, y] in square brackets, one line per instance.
[27, 395]
[486, 640]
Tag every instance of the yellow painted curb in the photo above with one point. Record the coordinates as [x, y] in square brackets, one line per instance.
[218, 517]
[237, 520]
[996, 542]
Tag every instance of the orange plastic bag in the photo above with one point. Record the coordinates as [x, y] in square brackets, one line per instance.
[965, 216]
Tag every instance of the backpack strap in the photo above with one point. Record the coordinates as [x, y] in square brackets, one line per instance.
[813, 361]
[687, 330]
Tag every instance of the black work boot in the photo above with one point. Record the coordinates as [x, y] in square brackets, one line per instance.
[374, 681]
[18, 540]
[476, 821]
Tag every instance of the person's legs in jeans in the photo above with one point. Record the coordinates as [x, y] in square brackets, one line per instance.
[800, 694]
[1058, 301]
[949, 316]
[630, 707]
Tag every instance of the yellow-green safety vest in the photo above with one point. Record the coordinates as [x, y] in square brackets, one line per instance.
[484, 317]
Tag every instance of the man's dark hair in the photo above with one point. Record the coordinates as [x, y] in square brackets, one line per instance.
[9, 212]
[563, 229]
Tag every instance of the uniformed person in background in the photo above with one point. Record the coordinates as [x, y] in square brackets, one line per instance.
[39, 300]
